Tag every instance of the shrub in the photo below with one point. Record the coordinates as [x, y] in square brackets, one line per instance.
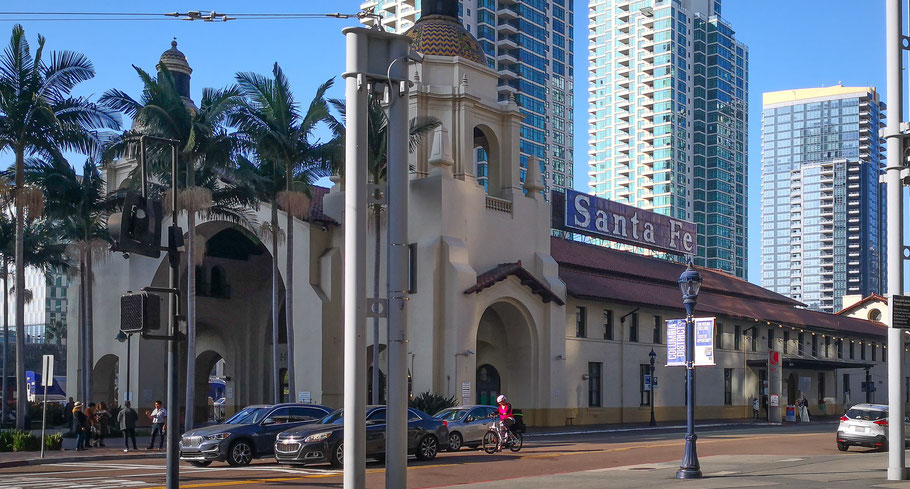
[6, 441]
[431, 403]
[53, 442]
[23, 441]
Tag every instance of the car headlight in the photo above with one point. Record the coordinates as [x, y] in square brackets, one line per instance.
[217, 436]
[317, 437]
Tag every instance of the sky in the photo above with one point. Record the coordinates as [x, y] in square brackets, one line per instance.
[792, 44]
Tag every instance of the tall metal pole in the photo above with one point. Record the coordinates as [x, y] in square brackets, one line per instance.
[397, 272]
[355, 225]
[173, 468]
[129, 351]
[896, 459]
[690, 468]
[653, 421]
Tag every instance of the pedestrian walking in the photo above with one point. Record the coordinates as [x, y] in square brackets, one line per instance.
[68, 414]
[159, 418]
[755, 408]
[126, 418]
[91, 423]
[80, 425]
[103, 423]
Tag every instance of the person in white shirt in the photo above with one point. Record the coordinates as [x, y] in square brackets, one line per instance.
[159, 418]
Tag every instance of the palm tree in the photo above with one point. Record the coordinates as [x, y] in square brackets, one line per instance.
[377, 152]
[42, 250]
[204, 161]
[39, 116]
[79, 208]
[270, 122]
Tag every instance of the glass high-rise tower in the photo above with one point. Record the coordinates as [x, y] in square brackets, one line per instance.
[823, 218]
[530, 43]
[667, 121]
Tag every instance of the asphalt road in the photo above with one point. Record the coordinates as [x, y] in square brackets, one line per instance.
[542, 455]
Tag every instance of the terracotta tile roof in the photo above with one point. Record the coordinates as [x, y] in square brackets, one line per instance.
[315, 213]
[503, 271]
[864, 300]
[605, 274]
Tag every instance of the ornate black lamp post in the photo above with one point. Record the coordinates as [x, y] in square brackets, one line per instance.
[689, 283]
[652, 355]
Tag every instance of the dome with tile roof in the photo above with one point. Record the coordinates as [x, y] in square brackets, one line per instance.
[438, 33]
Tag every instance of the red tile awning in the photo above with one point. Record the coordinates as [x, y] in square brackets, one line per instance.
[605, 274]
[504, 271]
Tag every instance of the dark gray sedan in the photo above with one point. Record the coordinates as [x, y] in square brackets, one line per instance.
[324, 442]
[247, 435]
[467, 424]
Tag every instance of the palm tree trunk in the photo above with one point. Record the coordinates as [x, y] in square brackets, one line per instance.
[376, 255]
[190, 415]
[289, 301]
[275, 381]
[5, 386]
[89, 322]
[21, 397]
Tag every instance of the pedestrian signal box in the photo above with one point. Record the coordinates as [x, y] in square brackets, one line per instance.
[140, 312]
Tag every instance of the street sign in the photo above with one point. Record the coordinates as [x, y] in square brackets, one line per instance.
[654, 382]
[900, 311]
[868, 386]
[47, 371]
[704, 342]
[646, 383]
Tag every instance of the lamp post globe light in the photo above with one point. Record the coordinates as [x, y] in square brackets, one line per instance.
[653, 356]
[689, 284]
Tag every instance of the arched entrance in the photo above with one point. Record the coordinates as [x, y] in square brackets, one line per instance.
[507, 354]
[105, 381]
[210, 387]
[488, 384]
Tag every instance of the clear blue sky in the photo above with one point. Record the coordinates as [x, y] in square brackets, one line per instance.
[792, 44]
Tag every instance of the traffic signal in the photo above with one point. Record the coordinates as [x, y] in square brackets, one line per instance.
[140, 312]
[137, 229]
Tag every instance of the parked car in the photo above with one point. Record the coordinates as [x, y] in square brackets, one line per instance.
[467, 424]
[324, 442]
[246, 435]
[866, 425]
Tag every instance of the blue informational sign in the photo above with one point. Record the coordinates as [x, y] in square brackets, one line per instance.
[704, 342]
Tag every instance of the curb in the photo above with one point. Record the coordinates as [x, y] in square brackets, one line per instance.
[85, 458]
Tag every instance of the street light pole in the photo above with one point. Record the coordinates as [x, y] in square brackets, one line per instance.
[651, 380]
[689, 283]
[121, 337]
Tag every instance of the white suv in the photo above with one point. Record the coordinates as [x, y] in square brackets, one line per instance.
[865, 425]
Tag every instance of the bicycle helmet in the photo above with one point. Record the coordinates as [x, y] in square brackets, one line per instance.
[501, 398]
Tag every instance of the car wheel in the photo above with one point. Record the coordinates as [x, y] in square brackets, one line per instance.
[200, 463]
[842, 446]
[240, 453]
[336, 458]
[455, 441]
[427, 448]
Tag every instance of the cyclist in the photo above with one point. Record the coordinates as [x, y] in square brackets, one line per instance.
[506, 419]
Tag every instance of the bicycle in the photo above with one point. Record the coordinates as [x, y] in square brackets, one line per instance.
[513, 442]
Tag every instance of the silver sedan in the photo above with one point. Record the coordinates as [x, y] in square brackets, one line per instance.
[467, 424]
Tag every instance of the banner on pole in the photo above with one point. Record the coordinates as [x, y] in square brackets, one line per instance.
[704, 342]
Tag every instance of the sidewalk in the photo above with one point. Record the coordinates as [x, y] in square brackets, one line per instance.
[850, 470]
[668, 425]
[113, 451]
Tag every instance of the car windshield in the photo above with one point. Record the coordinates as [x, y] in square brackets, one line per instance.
[451, 414]
[866, 414]
[249, 415]
[334, 418]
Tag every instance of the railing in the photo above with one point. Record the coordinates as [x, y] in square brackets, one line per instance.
[497, 204]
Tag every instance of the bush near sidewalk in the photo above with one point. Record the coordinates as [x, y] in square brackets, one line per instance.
[24, 441]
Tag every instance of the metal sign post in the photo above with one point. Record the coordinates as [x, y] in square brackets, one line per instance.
[47, 380]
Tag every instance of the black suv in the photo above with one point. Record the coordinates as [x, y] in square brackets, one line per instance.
[246, 435]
